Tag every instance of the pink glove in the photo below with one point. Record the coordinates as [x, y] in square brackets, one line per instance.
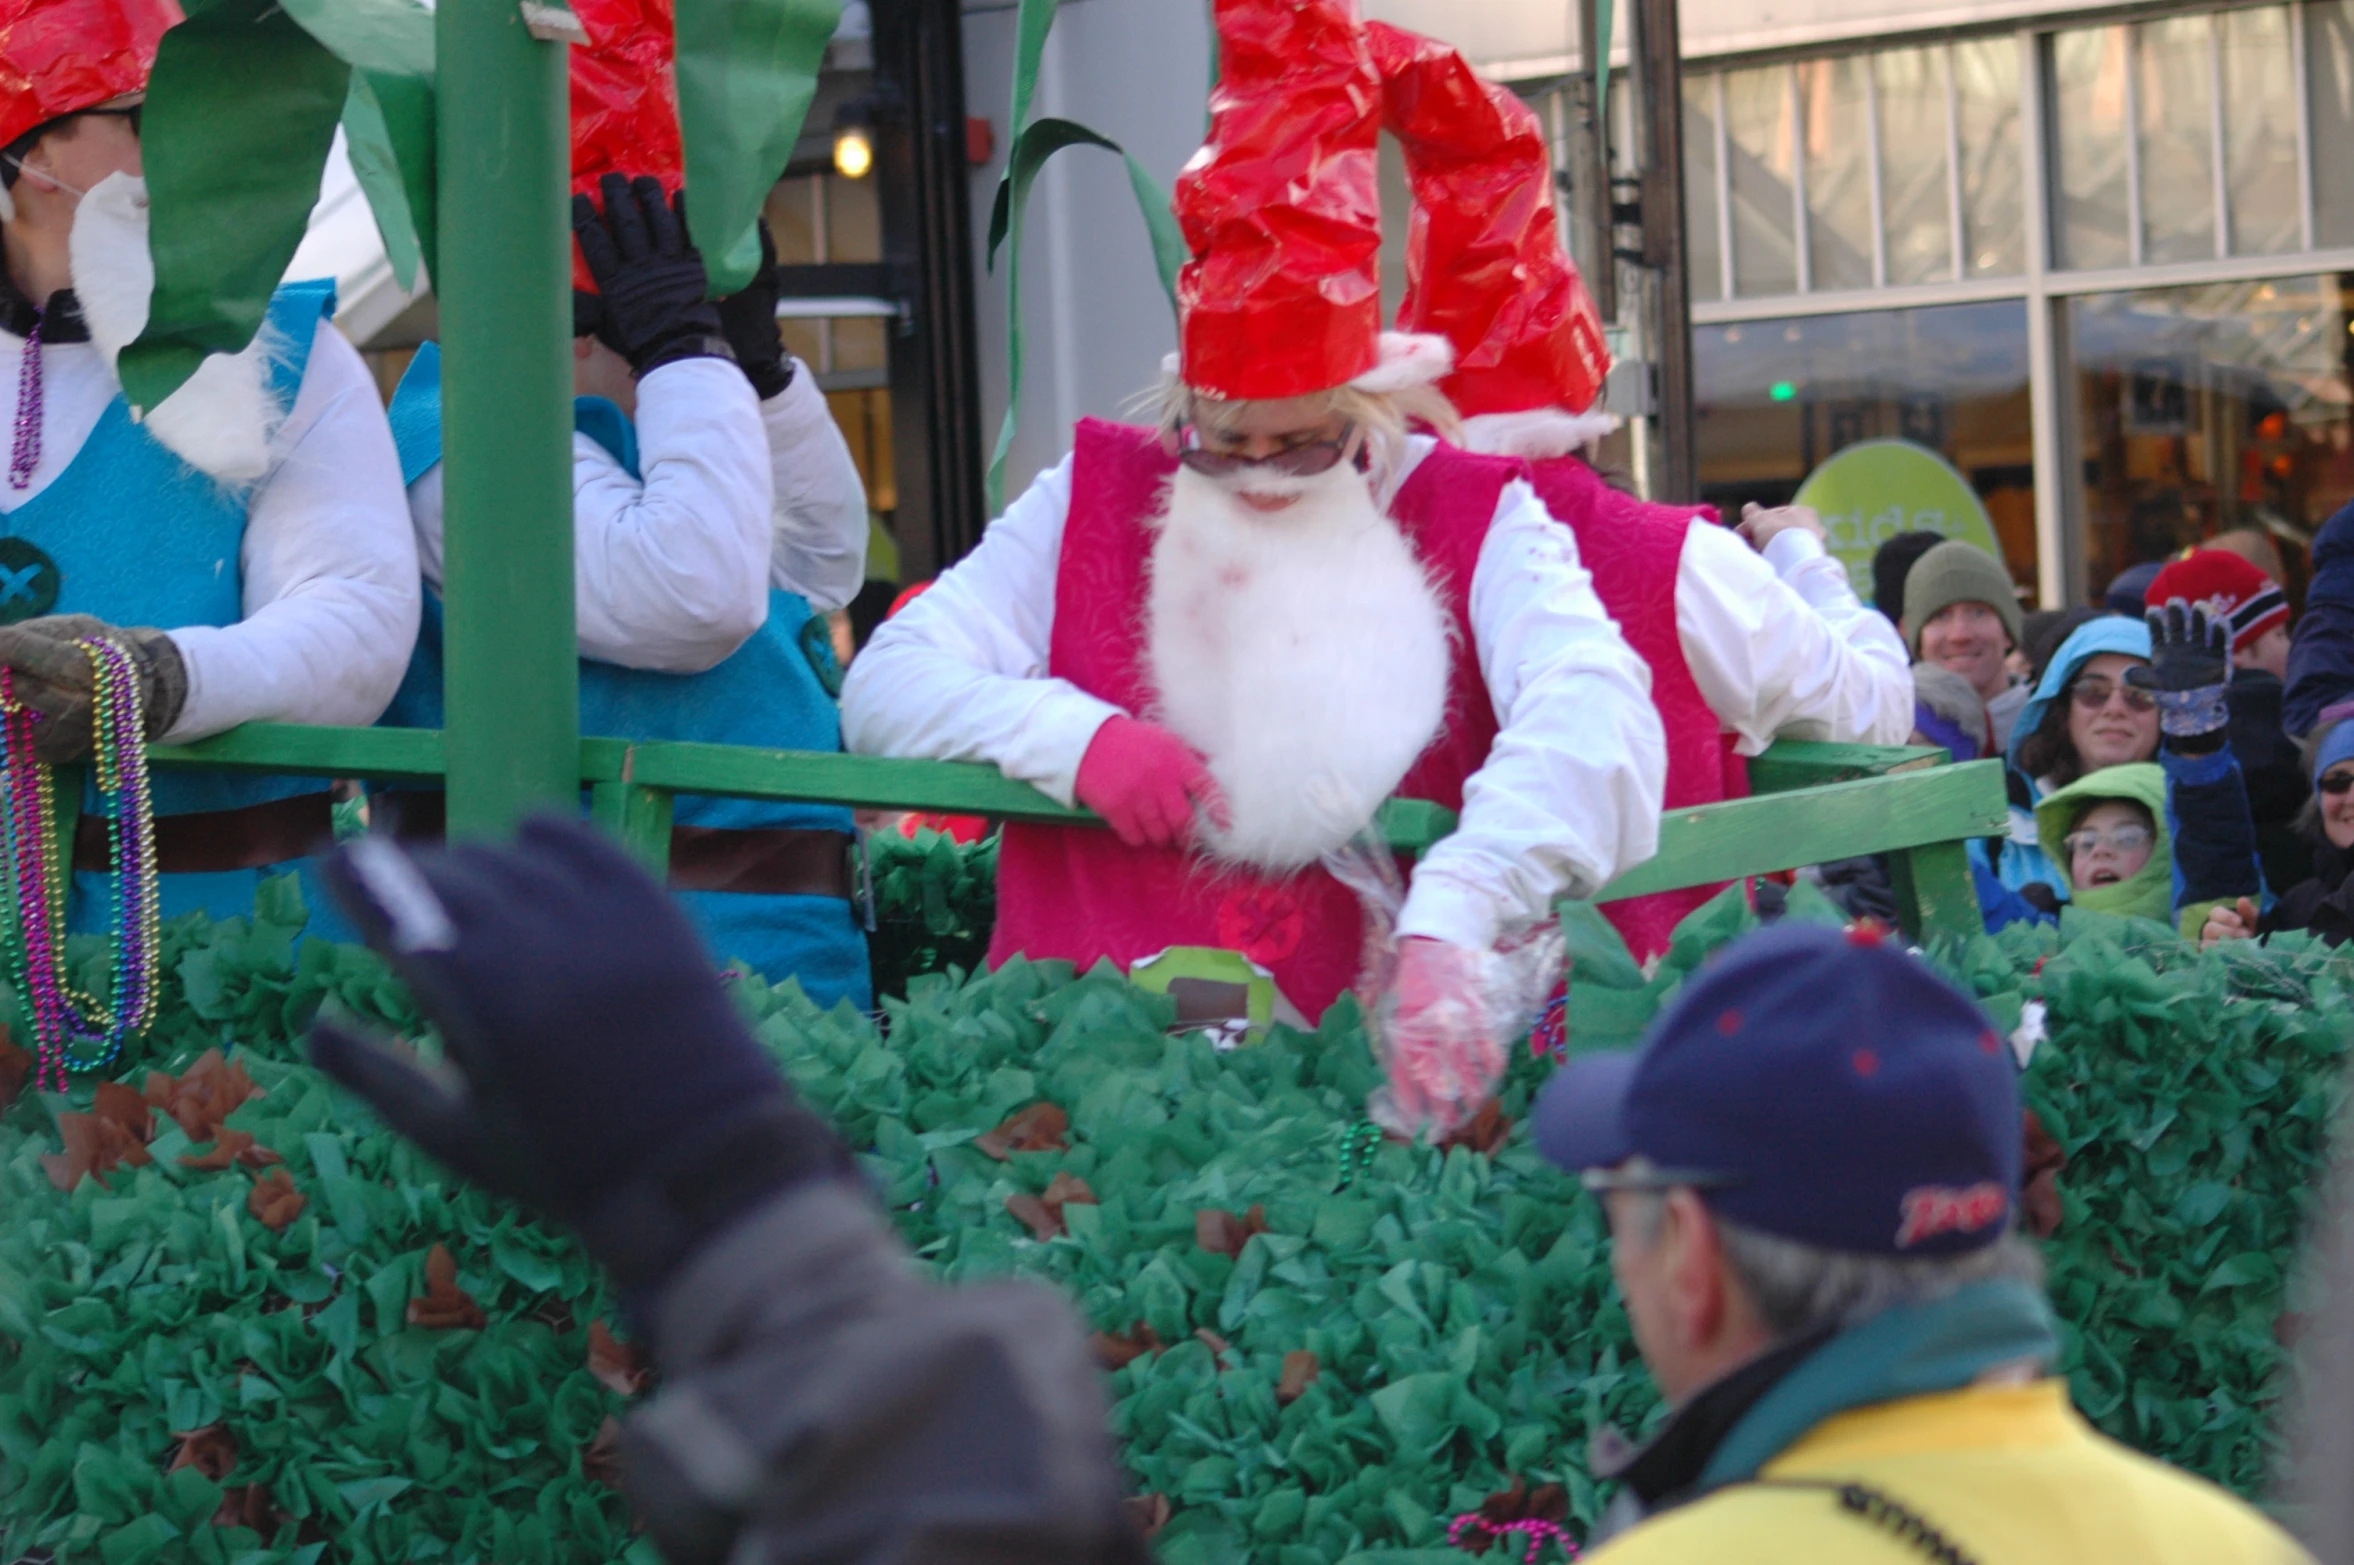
[1146, 783]
[1438, 1042]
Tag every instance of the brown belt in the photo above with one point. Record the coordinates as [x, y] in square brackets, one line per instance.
[212, 842]
[780, 861]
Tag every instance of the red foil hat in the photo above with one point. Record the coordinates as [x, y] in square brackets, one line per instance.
[624, 102]
[1281, 207]
[59, 57]
[1484, 263]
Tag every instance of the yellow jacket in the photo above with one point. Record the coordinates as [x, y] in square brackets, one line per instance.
[2008, 1474]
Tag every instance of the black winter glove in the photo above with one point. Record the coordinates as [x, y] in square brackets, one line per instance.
[749, 320]
[650, 274]
[600, 1071]
[2190, 673]
[54, 678]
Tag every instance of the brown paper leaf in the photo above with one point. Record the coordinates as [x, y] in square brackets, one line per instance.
[1223, 1233]
[1300, 1370]
[1520, 1503]
[1043, 1214]
[618, 1364]
[1484, 1132]
[211, 1450]
[112, 1134]
[1117, 1352]
[2040, 1208]
[601, 1462]
[1217, 1345]
[249, 1505]
[1148, 1513]
[445, 1306]
[233, 1147]
[1039, 1128]
[203, 1095]
[16, 1068]
[274, 1201]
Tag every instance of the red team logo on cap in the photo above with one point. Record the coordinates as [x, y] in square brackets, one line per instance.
[1930, 1210]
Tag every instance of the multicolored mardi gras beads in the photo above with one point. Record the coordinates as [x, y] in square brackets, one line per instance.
[67, 1021]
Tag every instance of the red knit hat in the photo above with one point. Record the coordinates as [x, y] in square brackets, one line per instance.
[59, 57]
[1484, 262]
[2222, 582]
[1283, 214]
[624, 102]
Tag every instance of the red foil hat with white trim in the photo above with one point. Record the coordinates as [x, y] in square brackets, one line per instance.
[1282, 210]
[1484, 263]
[624, 102]
[59, 57]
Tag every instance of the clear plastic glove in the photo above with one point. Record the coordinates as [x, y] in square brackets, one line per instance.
[2229, 922]
[1147, 784]
[1441, 1045]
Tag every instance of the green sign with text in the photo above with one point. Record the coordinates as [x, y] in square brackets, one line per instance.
[1873, 490]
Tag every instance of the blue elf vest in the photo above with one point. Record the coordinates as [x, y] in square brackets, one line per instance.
[770, 693]
[136, 536]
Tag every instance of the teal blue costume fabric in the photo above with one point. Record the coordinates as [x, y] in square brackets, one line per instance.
[776, 692]
[138, 537]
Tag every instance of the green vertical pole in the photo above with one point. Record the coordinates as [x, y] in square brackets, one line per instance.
[512, 688]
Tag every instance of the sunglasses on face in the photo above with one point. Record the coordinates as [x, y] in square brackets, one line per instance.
[2118, 839]
[2335, 783]
[2093, 694]
[1301, 461]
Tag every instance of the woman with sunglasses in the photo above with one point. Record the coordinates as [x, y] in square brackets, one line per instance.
[2084, 716]
[2323, 904]
[1234, 636]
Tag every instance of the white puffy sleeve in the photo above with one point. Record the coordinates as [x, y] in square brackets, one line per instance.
[960, 673]
[1779, 644]
[1570, 794]
[330, 593]
[818, 544]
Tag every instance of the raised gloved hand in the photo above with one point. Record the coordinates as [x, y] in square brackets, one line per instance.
[53, 677]
[595, 1067]
[2190, 673]
[1438, 1040]
[1147, 783]
[650, 275]
[748, 319]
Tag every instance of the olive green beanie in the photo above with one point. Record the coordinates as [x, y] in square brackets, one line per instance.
[1957, 572]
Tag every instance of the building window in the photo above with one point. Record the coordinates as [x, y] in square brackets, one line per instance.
[2212, 409]
[1992, 156]
[2329, 91]
[1778, 397]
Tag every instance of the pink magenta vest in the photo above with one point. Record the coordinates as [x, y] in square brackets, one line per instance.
[1079, 893]
[1632, 548]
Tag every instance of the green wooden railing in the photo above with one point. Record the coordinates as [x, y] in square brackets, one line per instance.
[1814, 802]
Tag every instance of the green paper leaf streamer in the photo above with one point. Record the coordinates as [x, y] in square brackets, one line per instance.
[747, 72]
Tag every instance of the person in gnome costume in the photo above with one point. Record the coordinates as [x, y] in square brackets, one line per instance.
[1236, 635]
[717, 518]
[244, 539]
[1745, 639]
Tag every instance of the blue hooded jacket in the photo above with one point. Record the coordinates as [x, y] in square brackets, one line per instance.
[2321, 657]
[2023, 861]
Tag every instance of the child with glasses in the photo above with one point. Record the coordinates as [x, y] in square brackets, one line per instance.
[2107, 836]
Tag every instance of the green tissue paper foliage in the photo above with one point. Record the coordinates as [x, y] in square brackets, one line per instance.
[1459, 1304]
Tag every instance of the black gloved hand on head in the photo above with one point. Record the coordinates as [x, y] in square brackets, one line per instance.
[2189, 673]
[596, 1069]
[650, 275]
[748, 317]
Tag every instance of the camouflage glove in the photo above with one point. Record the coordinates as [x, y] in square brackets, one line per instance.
[55, 679]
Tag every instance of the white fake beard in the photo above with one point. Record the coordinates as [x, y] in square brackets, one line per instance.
[220, 421]
[1303, 652]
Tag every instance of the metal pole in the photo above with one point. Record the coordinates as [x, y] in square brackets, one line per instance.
[512, 690]
[1658, 62]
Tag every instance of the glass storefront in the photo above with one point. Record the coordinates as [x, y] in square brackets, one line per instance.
[2213, 409]
[1779, 397]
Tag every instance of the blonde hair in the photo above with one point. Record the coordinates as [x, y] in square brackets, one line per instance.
[1384, 420]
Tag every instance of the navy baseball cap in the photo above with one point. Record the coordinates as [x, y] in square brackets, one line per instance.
[1816, 1085]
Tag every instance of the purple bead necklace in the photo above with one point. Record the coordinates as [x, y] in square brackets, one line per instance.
[27, 453]
[63, 1016]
